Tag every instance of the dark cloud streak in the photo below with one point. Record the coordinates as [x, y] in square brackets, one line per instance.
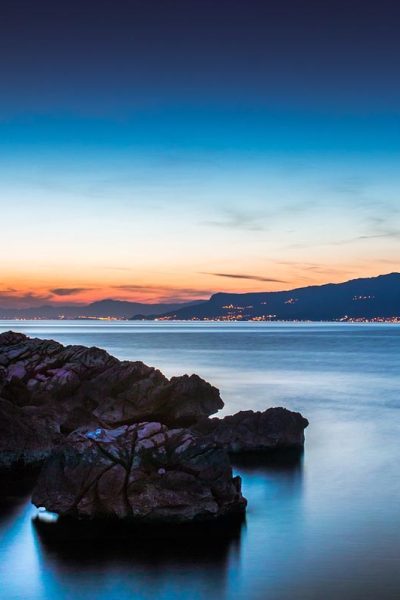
[69, 291]
[246, 276]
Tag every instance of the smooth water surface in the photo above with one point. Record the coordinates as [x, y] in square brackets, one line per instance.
[325, 527]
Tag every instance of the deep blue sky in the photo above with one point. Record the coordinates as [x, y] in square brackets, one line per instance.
[149, 143]
[105, 56]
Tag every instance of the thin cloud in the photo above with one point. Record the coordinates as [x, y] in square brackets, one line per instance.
[261, 220]
[246, 276]
[69, 291]
[235, 219]
[165, 293]
[375, 227]
[17, 299]
[114, 268]
[393, 234]
[134, 287]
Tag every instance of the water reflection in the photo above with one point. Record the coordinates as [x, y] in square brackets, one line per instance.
[15, 491]
[152, 560]
[277, 477]
[19, 575]
[287, 462]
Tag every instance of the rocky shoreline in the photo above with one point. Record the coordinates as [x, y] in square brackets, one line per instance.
[119, 440]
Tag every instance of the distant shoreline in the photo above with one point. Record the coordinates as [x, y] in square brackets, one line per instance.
[361, 320]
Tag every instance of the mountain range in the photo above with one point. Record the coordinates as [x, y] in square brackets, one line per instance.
[367, 298]
[119, 309]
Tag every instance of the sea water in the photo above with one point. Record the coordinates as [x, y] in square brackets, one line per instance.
[324, 527]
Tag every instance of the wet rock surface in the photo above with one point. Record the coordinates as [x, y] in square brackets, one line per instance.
[249, 431]
[145, 472]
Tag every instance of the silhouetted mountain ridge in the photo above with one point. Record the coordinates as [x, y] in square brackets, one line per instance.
[364, 298]
[100, 309]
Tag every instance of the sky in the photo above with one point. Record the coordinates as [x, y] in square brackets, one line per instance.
[164, 150]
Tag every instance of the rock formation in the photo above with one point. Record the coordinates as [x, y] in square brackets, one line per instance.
[146, 472]
[49, 390]
[123, 441]
[248, 431]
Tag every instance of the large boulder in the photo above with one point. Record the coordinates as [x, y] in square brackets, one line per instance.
[144, 472]
[54, 389]
[249, 431]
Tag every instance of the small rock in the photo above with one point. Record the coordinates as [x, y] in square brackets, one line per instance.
[249, 431]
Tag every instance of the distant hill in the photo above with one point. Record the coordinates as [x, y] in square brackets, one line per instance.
[100, 309]
[359, 298]
[367, 298]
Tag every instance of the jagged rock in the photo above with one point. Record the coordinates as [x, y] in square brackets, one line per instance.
[74, 386]
[48, 390]
[145, 472]
[249, 431]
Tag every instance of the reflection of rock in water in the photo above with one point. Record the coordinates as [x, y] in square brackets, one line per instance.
[281, 470]
[15, 488]
[284, 461]
[154, 554]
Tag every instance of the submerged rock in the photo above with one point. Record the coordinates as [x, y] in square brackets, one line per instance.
[144, 472]
[49, 389]
[249, 431]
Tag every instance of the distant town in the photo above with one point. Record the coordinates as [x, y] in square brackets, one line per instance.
[367, 300]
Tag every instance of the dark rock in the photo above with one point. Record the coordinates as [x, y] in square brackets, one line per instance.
[249, 431]
[27, 435]
[143, 472]
[51, 389]
[48, 391]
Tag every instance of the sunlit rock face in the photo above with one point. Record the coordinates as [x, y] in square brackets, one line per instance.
[52, 390]
[146, 472]
[249, 431]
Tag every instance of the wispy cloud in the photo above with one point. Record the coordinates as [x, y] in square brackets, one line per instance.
[375, 228]
[166, 293]
[69, 291]
[382, 227]
[112, 268]
[15, 299]
[270, 216]
[245, 276]
[237, 219]
[132, 287]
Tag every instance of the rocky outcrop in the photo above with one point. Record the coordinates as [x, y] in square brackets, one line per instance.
[121, 440]
[145, 472]
[48, 390]
[248, 431]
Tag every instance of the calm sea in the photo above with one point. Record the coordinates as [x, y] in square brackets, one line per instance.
[326, 527]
